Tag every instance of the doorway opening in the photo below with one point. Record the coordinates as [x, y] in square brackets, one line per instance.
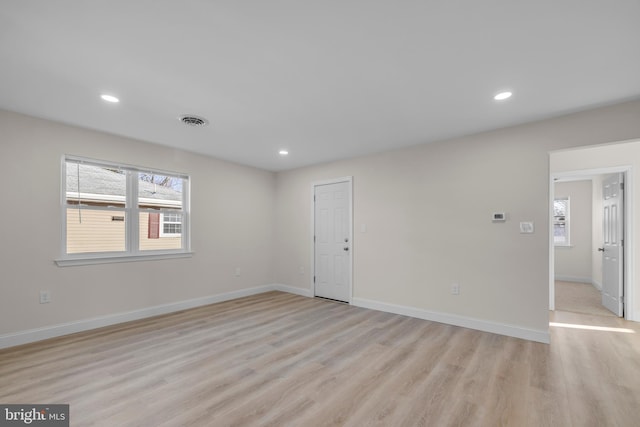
[589, 242]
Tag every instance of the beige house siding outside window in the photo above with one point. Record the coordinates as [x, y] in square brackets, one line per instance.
[105, 232]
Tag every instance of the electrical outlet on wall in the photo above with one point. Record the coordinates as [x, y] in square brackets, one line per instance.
[237, 271]
[455, 289]
[301, 270]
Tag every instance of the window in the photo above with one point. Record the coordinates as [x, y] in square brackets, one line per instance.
[561, 221]
[171, 225]
[115, 211]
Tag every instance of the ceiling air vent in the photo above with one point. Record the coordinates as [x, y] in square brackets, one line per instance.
[195, 121]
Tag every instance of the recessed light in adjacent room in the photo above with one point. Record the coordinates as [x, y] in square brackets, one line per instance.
[109, 98]
[502, 96]
[283, 152]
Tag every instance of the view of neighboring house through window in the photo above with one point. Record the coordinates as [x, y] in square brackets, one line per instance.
[561, 221]
[159, 196]
[120, 210]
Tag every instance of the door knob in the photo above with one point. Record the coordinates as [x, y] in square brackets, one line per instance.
[601, 249]
[346, 248]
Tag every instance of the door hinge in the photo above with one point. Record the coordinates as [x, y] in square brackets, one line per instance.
[622, 185]
[314, 239]
[314, 279]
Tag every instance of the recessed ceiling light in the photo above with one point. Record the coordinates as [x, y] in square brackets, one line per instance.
[502, 96]
[195, 121]
[109, 98]
[283, 152]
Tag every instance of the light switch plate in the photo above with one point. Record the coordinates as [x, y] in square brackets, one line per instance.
[526, 227]
[45, 297]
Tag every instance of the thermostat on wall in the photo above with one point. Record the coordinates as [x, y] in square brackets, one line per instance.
[499, 217]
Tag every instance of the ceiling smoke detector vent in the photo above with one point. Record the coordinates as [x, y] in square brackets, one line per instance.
[194, 121]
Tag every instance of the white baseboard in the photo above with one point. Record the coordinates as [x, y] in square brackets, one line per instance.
[452, 319]
[32, 335]
[293, 290]
[574, 279]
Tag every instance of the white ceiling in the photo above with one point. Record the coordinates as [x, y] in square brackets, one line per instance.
[324, 79]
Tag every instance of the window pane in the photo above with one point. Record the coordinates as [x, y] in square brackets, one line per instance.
[154, 235]
[560, 221]
[560, 207]
[172, 228]
[95, 230]
[159, 191]
[95, 185]
[559, 233]
[171, 217]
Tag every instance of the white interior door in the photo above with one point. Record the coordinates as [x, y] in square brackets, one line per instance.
[612, 250]
[332, 241]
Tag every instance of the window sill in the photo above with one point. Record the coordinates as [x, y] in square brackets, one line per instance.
[70, 262]
[564, 246]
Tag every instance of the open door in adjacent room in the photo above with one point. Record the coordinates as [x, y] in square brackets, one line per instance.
[612, 248]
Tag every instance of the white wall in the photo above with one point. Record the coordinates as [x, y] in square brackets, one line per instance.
[428, 216]
[232, 226]
[573, 263]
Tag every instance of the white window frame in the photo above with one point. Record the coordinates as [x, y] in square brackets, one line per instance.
[567, 224]
[132, 218]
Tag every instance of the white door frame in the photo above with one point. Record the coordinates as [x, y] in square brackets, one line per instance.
[349, 181]
[629, 279]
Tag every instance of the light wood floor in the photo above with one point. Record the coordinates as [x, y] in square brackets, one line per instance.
[278, 359]
[579, 298]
